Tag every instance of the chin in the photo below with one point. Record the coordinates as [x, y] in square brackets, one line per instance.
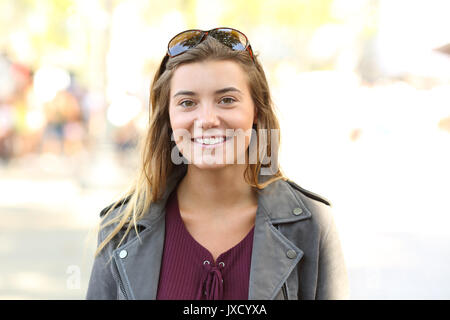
[210, 167]
[210, 164]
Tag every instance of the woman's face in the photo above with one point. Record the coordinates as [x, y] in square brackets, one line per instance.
[211, 113]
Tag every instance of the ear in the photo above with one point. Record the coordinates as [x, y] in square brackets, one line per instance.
[255, 118]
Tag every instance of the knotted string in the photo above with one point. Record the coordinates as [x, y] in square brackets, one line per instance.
[211, 286]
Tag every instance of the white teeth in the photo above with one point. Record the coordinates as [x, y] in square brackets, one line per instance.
[210, 140]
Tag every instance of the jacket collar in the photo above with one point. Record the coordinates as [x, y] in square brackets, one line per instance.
[273, 255]
[277, 199]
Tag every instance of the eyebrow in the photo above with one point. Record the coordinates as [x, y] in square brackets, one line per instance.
[192, 93]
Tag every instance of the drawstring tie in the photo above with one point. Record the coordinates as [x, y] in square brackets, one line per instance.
[211, 286]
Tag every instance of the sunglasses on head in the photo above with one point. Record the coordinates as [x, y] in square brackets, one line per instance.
[189, 39]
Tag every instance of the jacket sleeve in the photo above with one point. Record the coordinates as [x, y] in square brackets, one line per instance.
[102, 285]
[332, 274]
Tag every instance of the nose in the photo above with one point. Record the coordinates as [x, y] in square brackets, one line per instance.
[208, 116]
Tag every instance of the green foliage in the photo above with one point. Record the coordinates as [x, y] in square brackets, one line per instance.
[43, 22]
[290, 13]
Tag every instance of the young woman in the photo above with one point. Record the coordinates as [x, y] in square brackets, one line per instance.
[210, 214]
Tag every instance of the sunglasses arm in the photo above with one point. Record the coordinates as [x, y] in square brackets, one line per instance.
[250, 51]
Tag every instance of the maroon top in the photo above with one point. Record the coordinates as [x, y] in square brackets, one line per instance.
[188, 271]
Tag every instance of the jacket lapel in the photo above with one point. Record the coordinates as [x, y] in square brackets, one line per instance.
[139, 269]
[274, 256]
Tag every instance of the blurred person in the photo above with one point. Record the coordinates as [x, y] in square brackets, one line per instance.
[202, 228]
[6, 131]
[125, 141]
[79, 92]
[64, 133]
[52, 140]
[34, 120]
[125, 137]
[74, 130]
[7, 88]
[27, 127]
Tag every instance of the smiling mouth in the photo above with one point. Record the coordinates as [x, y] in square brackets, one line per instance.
[211, 141]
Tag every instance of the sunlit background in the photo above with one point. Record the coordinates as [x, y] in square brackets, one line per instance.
[362, 89]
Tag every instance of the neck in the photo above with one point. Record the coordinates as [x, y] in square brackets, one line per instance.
[216, 190]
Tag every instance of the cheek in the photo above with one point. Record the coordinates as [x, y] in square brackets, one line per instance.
[180, 123]
[177, 120]
[243, 120]
[180, 128]
[250, 111]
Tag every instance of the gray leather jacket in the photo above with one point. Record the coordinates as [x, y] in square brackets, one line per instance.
[296, 250]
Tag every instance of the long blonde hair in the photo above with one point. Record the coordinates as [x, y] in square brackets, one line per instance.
[156, 165]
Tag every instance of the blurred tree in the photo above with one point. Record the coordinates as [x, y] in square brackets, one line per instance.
[40, 24]
[305, 14]
[153, 11]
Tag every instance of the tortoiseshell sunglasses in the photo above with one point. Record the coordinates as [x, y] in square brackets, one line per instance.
[189, 39]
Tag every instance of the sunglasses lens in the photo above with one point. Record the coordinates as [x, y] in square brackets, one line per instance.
[231, 38]
[184, 41]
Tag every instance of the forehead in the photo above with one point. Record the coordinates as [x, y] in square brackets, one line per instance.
[208, 76]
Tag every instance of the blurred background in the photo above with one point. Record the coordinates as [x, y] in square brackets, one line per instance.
[362, 89]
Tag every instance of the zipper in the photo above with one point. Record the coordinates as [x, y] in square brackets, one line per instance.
[284, 288]
[116, 277]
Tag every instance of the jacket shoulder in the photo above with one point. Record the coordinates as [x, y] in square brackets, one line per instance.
[308, 193]
[319, 208]
[120, 203]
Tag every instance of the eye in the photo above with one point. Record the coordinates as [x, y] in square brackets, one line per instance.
[187, 103]
[228, 100]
